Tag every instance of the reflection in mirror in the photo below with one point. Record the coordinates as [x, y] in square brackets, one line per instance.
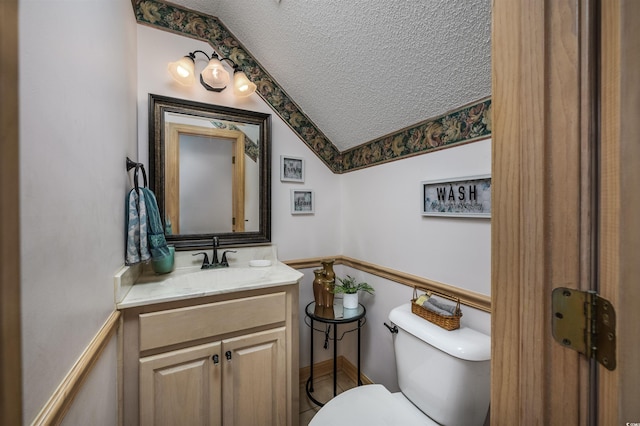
[210, 170]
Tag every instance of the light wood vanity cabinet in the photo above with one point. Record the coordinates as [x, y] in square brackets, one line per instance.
[229, 360]
[179, 385]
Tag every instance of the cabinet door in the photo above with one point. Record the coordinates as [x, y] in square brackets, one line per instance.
[254, 377]
[181, 387]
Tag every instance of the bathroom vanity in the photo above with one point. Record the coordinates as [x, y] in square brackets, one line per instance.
[214, 347]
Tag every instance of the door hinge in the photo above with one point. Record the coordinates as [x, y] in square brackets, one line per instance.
[585, 322]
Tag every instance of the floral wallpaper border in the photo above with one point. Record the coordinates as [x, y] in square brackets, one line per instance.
[463, 125]
[467, 124]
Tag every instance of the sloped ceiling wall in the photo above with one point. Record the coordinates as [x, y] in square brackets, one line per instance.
[353, 116]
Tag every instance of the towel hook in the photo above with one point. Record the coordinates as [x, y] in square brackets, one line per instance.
[130, 164]
[138, 166]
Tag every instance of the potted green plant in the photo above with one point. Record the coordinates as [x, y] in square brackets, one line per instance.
[350, 288]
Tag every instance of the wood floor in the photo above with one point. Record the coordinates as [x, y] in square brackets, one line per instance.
[323, 392]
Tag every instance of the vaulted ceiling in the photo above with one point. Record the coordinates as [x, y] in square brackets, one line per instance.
[363, 69]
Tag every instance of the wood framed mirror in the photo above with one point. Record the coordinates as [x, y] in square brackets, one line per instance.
[210, 170]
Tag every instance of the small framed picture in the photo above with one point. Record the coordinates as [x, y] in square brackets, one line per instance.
[302, 201]
[291, 169]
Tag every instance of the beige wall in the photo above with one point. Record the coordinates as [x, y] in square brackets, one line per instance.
[382, 224]
[77, 126]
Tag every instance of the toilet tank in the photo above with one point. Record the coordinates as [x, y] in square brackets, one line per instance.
[446, 374]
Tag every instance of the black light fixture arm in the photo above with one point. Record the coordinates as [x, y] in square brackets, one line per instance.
[235, 66]
[192, 55]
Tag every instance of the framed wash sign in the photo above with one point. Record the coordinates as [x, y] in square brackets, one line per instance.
[463, 197]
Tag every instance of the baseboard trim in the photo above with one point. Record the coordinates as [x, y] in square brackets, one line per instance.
[325, 368]
[351, 371]
[469, 298]
[55, 409]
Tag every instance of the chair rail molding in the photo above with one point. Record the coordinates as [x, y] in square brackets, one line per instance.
[467, 297]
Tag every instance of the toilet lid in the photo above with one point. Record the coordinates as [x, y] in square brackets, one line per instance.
[371, 405]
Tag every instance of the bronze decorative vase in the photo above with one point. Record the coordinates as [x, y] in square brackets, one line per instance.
[318, 287]
[327, 265]
[329, 282]
[328, 293]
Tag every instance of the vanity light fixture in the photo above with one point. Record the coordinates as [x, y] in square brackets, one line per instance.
[214, 76]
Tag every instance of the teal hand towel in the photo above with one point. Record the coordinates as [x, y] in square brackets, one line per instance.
[155, 231]
[136, 228]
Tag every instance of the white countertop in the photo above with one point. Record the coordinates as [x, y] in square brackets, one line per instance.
[188, 281]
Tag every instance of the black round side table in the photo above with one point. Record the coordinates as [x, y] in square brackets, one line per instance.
[333, 315]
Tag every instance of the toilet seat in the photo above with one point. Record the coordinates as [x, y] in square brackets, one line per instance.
[371, 405]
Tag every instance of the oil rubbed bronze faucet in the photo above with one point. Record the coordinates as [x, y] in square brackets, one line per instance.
[215, 263]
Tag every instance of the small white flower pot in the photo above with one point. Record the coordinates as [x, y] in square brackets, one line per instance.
[350, 301]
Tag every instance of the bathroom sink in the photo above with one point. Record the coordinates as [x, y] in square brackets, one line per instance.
[235, 277]
[190, 282]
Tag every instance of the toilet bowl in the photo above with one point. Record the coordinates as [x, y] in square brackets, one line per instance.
[444, 378]
[370, 405]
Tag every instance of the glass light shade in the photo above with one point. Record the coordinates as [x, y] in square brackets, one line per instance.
[214, 76]
[182, 70]
[242, 86]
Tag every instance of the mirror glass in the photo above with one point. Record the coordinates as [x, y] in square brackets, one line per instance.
[210, 171]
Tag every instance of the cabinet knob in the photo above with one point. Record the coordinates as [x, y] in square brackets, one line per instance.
[228, 355]
[215, 358]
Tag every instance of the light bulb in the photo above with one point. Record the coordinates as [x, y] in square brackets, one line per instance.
[182, 71]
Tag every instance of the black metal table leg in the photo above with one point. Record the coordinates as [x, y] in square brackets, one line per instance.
[309, 384]
[311, 367]
[335, 360]
[359, 326]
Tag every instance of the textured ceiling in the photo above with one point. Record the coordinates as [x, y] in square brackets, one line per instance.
[361, 69]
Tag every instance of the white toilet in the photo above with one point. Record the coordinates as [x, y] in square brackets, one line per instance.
[444, 377]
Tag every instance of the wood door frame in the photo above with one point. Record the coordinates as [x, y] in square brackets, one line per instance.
[555, 222]
[172, 170]
[10, 330]
[539, 213]
[618, 264]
